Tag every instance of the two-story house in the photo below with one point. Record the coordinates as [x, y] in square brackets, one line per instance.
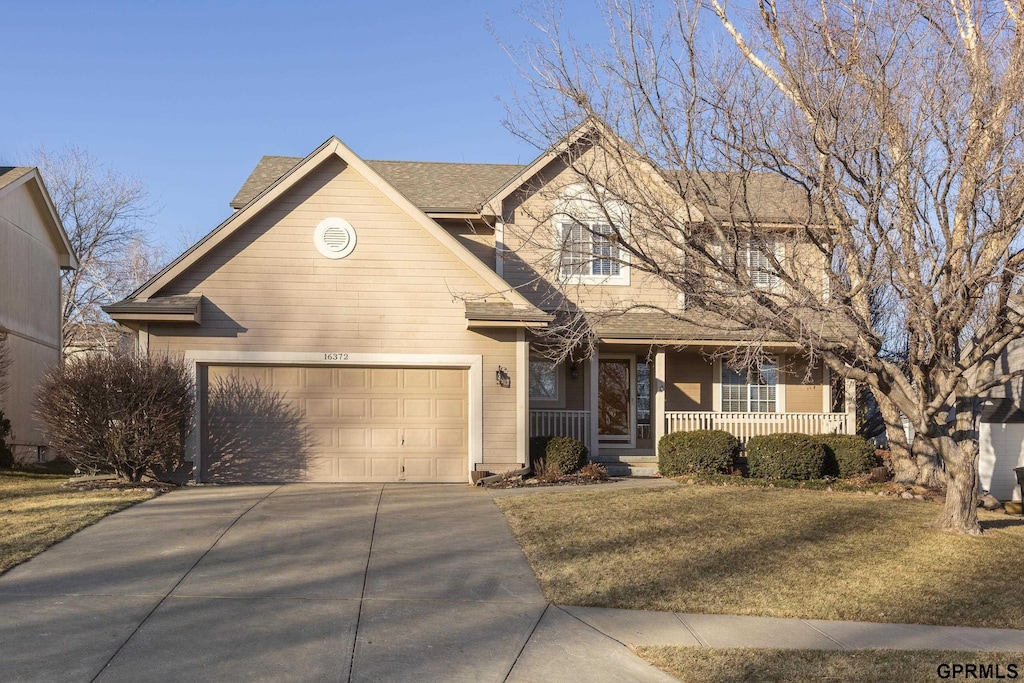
[359, 320]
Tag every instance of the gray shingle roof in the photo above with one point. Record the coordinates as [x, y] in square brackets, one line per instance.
[430, 185]
[739, 196]
[486, 310]
[163, 304]
[8, 174]
[656, 325]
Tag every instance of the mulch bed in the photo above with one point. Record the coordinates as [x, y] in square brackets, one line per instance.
[116, 484]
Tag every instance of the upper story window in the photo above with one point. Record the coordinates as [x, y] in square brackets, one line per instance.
[750, 391]
[589, 249]
[587, 232]
[758, 255]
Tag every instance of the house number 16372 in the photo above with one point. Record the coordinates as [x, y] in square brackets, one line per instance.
[335, 356]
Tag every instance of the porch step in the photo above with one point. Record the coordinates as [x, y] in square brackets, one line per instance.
[627, 470]
[625, 458]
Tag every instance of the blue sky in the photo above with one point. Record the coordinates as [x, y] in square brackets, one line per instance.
[187, 96]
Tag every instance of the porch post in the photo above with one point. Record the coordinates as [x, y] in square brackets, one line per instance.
[658, 418]
[592, 401]
[850, 406]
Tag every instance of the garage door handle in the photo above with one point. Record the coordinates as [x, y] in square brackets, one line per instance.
[403, 440]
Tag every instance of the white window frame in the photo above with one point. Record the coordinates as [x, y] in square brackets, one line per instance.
[764, 279]
[779, 390]
[556, 369]
[577, 206]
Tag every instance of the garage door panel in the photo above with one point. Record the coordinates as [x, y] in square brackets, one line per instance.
[417, 407]
[351, 407]
[338, 424]
[319, 408]
[451, 438]
[320, 377]
[448, 408]
[383, 408]
[286, 378]
[351, 377]
[418, 438]
[384, 378]
[450, 379]
[417, 379]
[384, 438]
[384, 468]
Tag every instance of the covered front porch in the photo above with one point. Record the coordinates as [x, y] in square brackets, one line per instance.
[623, 398]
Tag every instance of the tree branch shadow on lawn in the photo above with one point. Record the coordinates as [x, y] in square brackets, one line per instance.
[829, 563]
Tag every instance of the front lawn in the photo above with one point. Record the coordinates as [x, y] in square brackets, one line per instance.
[37, 513]
[770, 552]
[738, 665]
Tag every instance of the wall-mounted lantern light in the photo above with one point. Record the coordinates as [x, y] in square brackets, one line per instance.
[502, 377]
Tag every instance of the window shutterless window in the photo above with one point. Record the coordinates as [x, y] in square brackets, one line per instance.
[543, 380]
[589, 249]
[755, 257]
[753, 391]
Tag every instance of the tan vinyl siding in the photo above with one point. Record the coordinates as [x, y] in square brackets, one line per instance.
[804, 390]
[530, 236]
[29, 308]
[475, 236]
[532, 243]
[689, 381]
[267, 288]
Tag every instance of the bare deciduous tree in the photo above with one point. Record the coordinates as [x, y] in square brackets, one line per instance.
[876, 144]
[104, 214]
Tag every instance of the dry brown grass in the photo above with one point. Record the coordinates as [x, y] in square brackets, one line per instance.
[740, 665]
[781, 553]
[36, 513]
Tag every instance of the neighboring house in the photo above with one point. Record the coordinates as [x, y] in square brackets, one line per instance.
[34, 249]
[372, 321]
[85, 340]
[1001, 430]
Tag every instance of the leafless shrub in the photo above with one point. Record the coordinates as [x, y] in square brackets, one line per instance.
[124, 413]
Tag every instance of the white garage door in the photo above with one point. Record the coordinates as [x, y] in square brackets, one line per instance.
[324, 424]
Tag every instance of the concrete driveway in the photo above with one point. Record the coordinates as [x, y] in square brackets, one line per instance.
[297, 582]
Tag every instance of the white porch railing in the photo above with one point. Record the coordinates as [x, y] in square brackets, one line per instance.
[571, 423]
[745, 425]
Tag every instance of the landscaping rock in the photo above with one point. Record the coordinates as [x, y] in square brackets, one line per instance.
[989, 502]
[907, 495]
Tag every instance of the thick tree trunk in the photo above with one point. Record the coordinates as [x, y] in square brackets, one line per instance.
[904, 467]
[929, 465]
[960, 511]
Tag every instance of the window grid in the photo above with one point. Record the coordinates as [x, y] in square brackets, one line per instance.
[589, 249]
[753, 392]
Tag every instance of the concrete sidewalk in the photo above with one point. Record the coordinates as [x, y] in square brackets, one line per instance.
[639, 627]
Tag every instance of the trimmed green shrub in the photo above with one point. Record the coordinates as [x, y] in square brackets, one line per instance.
[538, 450]
[565, 454]
[786, 456]
[847, 455]
[6, 455]
[701, 451]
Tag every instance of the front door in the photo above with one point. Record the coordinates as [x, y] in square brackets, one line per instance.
[615, 400]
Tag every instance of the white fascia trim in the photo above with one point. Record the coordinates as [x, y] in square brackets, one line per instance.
[471, 362]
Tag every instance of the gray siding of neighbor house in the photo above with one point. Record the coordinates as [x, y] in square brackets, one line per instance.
[29, 309]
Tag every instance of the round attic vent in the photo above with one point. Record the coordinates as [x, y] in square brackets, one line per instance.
[335, 238]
